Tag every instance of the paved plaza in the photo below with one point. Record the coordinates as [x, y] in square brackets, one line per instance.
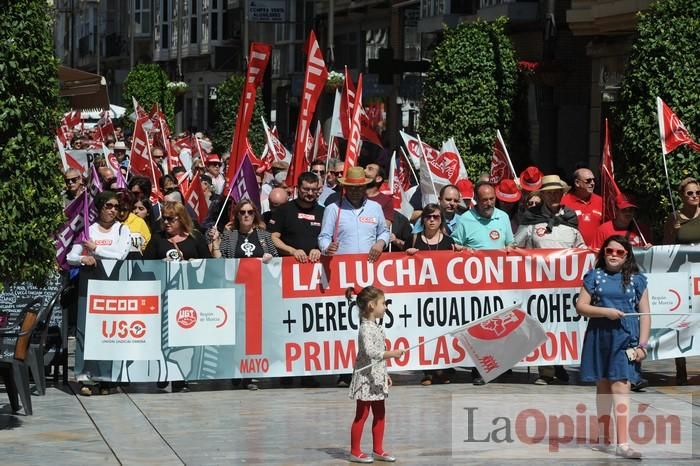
[215, 423]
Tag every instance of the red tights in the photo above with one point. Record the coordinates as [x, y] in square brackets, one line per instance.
[358, 424]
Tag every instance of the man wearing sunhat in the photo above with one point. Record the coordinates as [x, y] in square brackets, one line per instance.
[587, 205]
[120, 151]
[354, 225]
[623, 224]
[213, 164]
[358, 226]
[550, 225]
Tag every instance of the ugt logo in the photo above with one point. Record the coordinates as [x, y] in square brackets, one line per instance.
[123, 329]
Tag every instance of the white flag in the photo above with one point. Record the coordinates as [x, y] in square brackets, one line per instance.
[500, 341]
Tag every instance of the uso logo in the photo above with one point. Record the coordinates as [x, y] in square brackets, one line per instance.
[186, 317]
[123, 329]
[498, 327]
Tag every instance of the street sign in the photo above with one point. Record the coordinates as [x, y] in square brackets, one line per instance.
[267, 11]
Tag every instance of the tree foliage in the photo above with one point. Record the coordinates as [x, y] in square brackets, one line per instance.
[665, 62]
[470, 90]
[31, 206]
[149, 85]
[228, 97]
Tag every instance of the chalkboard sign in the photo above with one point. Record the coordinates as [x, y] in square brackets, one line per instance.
[14, 297]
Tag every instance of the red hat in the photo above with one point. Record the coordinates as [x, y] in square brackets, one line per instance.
[466, 188]
[214, 158]
[531, 179]
[623, 201]
[508, 191]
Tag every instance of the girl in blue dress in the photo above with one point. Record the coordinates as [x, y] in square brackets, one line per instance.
[614, 345]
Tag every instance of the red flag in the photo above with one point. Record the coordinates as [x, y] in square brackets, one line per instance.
[141, 160]
[609, 189]
[321, 147]
[346, 109]
[314, 83]
[183, 181]
[195, 199]
[353, 150]
[257, 62]
[501, 166]
[673, 132]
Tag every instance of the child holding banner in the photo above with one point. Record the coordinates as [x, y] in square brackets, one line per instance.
[370, 386]
[614, 344]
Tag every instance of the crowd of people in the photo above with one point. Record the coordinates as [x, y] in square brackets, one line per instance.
[329, 212]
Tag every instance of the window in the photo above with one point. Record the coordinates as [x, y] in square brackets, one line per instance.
[217, 17]
[142, 17]
[194, 26]
[165, 24]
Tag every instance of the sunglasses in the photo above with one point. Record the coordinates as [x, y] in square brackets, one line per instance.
[588, 180]
[692, 193]
[72, 180]
[319, 172]
[110, 206]
[243, 213]
[169, 219]
[433, 217]
[340, 173]
[615, 252]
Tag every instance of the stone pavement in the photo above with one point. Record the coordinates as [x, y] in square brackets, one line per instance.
[214, 423]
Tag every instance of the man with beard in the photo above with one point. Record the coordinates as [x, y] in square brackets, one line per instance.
[295, 226]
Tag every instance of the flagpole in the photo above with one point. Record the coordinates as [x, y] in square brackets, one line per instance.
[639, 230]
[450, 332]
[668, 184]
[410, 165]
[503, 144]
[427, 164]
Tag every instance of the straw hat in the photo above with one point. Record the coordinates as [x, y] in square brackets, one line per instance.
[508, 191]
[354, 177]
[552, 182]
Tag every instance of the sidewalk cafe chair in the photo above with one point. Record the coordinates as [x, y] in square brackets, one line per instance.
[13, 367]
[38, 344]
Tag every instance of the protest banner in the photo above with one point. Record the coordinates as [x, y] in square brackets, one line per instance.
[291, 319]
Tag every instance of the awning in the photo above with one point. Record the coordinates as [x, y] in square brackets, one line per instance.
[86, 91]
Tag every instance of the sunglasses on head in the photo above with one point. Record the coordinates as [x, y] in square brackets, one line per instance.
[168, 219]
[692, 193]
[246, 212]
[615, 252]
[110, 205]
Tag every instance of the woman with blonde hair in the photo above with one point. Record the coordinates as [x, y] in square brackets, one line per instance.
[178, 240]
[683, 227]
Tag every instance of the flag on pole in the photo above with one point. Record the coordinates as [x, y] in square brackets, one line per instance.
[314, 83]
[413, 149]
[501, 165]
[141, 160]
[257, 63]
[673, 132]
[400, 184]
[499, 342]
[343, 111]
[244, 185]
[609, 189]
[194, 197]
[352, 151]
[274, 145]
